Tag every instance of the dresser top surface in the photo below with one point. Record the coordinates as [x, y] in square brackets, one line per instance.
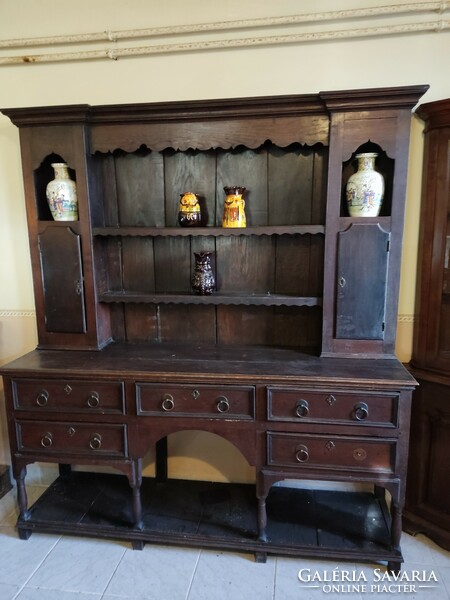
[199, 362]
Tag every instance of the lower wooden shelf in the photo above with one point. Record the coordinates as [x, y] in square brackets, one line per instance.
[329, 524]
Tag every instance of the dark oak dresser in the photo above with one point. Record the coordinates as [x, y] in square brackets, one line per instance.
[291, 359]
[428, 491]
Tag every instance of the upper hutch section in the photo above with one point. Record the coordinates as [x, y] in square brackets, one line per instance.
[302, 274]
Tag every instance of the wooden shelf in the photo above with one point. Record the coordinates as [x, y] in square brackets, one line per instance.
[216, 298]
[43, 225]
[384, 222]
[216, 515]
[208, 231]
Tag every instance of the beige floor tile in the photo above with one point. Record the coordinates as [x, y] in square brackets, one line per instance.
[227, 575]
[302, 578]
[8, 591]
[19, 559]
[156, 572]
[44, 594]
[79, 565]
[441, 557]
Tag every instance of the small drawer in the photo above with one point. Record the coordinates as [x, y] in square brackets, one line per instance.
[71, 438]
[69, 396]
[229, 402]
[338, 453]
[362, 408]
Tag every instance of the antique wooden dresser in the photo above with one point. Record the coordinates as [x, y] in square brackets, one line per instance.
[291, 359]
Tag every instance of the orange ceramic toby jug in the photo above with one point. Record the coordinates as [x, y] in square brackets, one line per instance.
[233, 210]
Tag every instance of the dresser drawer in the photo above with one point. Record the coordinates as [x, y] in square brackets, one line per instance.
[71, 438]
[196, 401]
[69, 396]
[319, 451]
[296, 405]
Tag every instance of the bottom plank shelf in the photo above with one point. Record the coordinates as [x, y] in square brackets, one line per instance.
[329, 524]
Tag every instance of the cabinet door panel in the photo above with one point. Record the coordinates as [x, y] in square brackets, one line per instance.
[361, 286]
[62, 280]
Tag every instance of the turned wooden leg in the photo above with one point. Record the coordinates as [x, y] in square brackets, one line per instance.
[24, 534]
[22, 502]
[64, 470]
[137, 507]
[22, 499]
[161, 460]
[394, 567]
[135, 483]
[262, 520]
[396, 525]
[379, 492]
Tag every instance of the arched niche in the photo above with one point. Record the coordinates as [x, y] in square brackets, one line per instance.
[42, 176]
[383, 164]
[200, 455]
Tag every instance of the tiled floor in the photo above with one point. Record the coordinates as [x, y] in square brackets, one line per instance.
[50, 567]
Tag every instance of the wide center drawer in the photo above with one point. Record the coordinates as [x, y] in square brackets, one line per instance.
[69, 396]
[235, 402]
[346, 453]
[338, 407]
[91, 439]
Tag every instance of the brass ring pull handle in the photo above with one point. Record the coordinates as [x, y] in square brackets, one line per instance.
[302, 408]
[93, 400]
[168, 403]
[47, 440]
[302, 453]
[42, 398]
[360, 411]
[222, 405]
[95, 442]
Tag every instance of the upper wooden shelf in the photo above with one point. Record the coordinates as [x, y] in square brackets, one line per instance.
[43, 225]
[216, 298]
[384, 222]
[206, 231]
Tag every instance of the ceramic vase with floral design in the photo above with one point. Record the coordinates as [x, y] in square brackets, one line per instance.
[61, 194]
[365, 188]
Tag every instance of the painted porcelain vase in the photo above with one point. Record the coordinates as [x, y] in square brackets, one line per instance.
[203, 281]
[234, 207]
[365, 188]
[62, 194]
[189, 213]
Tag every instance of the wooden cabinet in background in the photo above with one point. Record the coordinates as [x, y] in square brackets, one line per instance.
[428, 492]
[291, 359]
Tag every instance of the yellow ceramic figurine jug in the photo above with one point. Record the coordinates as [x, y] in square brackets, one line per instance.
[189, 214]
[233, 210]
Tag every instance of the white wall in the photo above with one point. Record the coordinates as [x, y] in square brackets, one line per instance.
[377, 61]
